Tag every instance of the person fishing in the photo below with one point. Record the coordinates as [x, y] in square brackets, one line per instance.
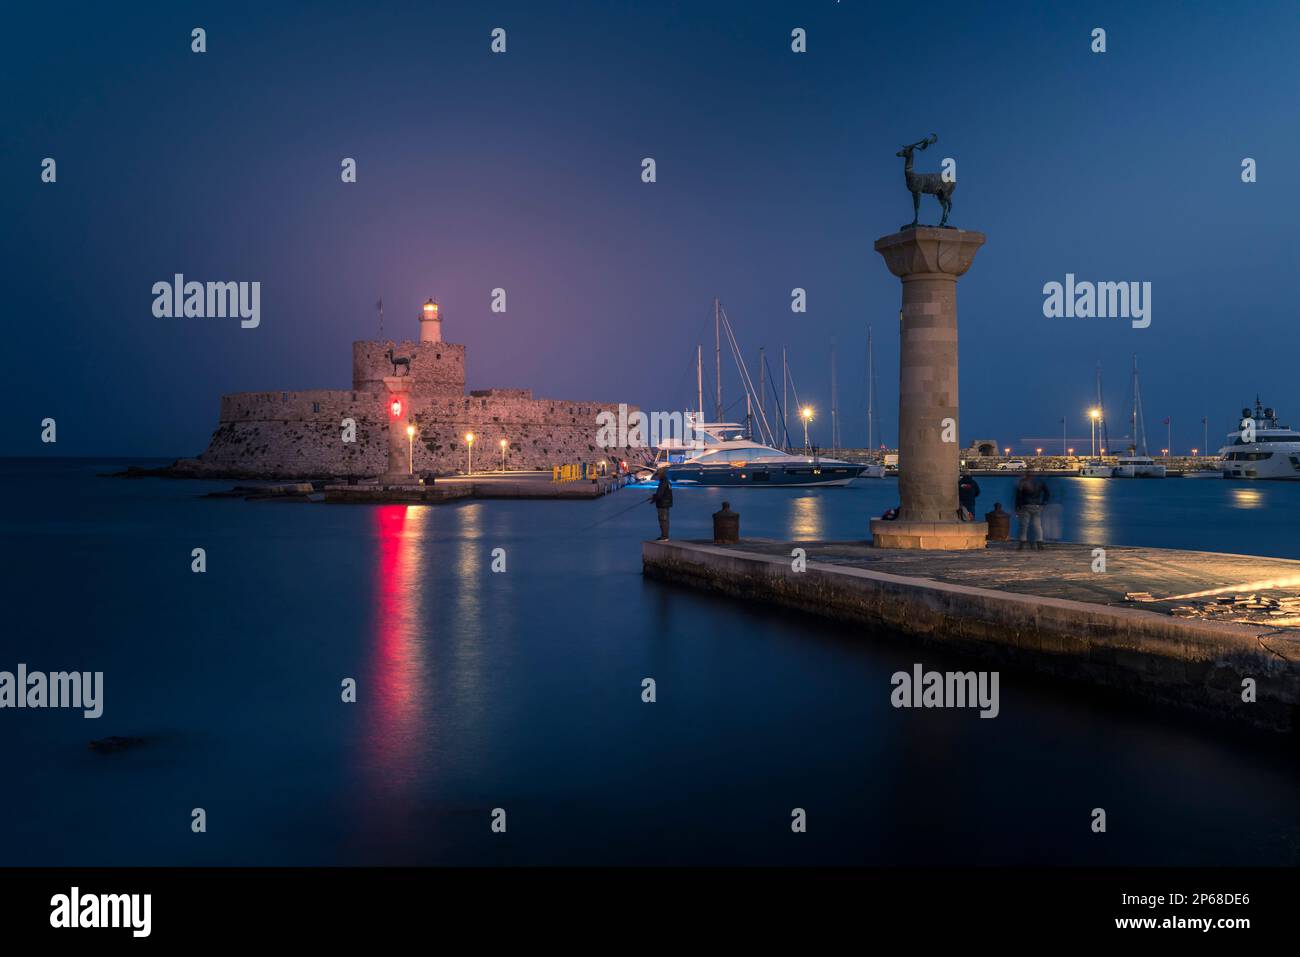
[1031, 496]
[663, 499]
[968, 490]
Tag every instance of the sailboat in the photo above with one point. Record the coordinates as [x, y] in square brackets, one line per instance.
[1095, 467]
[1134, 465]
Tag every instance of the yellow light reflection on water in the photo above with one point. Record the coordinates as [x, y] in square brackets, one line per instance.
[1093, 509]
[807, 520]
[1247, 498]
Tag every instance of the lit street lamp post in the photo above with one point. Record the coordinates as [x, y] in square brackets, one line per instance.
[504, 445]
[806, 413]
[410, 450]
[469, 453]
[1094, 414]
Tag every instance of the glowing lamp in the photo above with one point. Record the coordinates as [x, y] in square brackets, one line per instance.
[503, 443]
[806, 412]
[1094, 413]
[431, 308]
[410, 431]
[396, 408]
[469, 438]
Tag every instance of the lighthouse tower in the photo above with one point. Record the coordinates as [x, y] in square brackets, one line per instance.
[430, 323]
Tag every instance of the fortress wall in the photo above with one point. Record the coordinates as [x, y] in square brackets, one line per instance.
[285, 435]
[305, 406]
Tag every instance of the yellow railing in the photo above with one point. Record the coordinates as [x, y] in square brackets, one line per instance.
[566, 473]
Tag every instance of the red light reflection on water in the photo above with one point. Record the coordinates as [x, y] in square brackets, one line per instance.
[399, 731]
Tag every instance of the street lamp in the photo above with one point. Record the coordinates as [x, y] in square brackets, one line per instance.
[1072, 452]
[1038, 451]
[806, 413]
[469, 452]
[410, 449]
[504, 443]
[1194, 451]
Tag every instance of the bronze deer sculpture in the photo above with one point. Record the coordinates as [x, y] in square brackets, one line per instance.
[933, 183]
[399, 361]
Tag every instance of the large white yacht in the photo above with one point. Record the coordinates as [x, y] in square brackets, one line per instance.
[1273, 453]
[721, 454]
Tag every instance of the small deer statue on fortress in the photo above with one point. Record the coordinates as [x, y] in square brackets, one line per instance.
[399, 361]
[932, 183]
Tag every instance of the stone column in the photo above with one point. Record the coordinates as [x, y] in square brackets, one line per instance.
[928, 260]
[398, 388]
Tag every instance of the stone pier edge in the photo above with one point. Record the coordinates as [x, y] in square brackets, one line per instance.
[1176, 661]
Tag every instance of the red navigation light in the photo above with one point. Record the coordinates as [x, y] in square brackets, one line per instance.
[396, 408]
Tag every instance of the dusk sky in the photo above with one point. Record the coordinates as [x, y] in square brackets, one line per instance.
[522, 170]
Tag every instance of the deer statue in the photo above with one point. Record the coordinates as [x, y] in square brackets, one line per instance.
[933, 183]
[399, 361]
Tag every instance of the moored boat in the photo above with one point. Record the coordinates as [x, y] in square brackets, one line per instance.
[1262, 448]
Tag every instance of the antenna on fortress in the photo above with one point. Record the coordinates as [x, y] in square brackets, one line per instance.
[380, 306]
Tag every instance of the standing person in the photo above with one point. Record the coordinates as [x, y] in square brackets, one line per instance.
[663, 499]
[967, 491]
[1031, 496]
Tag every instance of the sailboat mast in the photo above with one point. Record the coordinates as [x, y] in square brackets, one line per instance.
[717, 356]
[1133, 414]
[871, 395]
[699, 382]
[762, 383]
[1139, 414]
[835, 412]
[785, 405]
[1104, 434]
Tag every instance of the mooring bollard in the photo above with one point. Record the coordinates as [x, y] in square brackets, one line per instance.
[999, 523]
[726, 525]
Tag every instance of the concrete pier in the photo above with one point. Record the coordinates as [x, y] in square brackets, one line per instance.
[1047, 611]
[502, 485]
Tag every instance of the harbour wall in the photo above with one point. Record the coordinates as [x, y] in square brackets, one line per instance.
[1193, 664]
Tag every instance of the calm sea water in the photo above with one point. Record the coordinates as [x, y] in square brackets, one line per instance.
[522, 691]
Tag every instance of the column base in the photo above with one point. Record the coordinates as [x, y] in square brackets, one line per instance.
[946, 536]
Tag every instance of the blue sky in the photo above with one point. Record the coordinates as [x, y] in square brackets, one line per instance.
[522, 171]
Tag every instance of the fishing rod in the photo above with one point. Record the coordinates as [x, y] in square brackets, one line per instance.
[618, 513]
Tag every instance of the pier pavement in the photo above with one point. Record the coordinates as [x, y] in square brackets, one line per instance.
[514, 485]
[1180, 627]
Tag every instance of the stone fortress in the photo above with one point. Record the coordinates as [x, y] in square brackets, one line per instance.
[301, 435]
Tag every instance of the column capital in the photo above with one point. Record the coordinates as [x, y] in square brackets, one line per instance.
[928, 252]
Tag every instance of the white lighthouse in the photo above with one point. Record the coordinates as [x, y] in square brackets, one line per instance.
[430, 323]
